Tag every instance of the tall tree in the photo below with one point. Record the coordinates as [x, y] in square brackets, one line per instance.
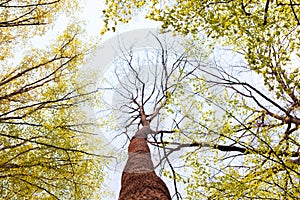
[43, 151]
[142, 92]
[255, 144]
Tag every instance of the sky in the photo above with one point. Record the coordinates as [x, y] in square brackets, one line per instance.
[91, 14]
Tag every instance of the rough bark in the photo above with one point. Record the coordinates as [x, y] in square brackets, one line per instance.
[139, 180]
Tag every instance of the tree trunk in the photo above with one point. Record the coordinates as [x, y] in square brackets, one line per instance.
[139, 180]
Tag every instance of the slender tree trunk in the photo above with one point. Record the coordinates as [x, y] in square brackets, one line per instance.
[139, 180]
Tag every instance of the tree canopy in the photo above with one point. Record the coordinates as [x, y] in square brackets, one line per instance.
[266, 32]
[254, 147]
[43, 148]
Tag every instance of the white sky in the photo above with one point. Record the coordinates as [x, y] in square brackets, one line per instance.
[91, 13]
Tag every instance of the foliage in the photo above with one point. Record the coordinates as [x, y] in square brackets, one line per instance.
[254, 146]
[266, 32]
[20, 20]
[43, 150]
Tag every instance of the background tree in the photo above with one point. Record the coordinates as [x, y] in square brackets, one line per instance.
[265, 32]
[255, 147]
[43, 148]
